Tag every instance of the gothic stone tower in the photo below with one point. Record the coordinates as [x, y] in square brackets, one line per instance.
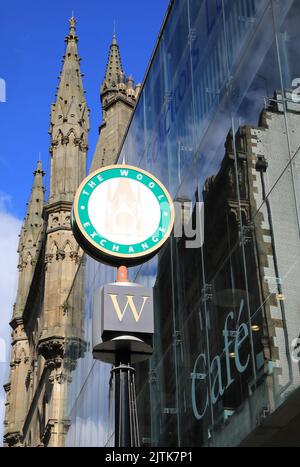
[49, 258]
[23, 361]
[118, 98]
[69, 127]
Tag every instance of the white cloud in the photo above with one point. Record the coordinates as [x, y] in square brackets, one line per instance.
[9, 231]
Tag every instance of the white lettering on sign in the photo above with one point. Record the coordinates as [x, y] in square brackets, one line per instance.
[124, 173]
[92, 185]
[296, 350]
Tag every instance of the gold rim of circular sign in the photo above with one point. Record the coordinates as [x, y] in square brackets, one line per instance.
[108, 253]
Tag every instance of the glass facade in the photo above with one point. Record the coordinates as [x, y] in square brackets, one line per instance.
[218, 122]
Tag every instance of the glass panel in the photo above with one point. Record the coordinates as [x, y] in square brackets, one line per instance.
[217, 124]
[286, 16]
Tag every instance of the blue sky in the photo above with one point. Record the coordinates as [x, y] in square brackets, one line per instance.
[31, 47]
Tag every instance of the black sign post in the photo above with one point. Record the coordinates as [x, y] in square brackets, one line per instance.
[126, 420]
[122, 216]
[123, 330]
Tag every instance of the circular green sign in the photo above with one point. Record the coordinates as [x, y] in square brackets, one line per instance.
[122, 215]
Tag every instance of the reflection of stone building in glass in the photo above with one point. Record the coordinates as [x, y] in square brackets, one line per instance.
[230, 348]
[277, 225]
[47, 324]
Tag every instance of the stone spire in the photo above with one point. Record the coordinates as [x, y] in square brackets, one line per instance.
[33, 220]
[118, 99]
[29, 251]
[30, 239]
[69, 125]
[70, 82]
[69, 131]
[113, 69]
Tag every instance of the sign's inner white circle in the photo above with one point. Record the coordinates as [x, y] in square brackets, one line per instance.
[124, 211]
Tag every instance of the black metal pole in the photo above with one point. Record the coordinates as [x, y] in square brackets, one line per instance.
[126, 419]
[122, 372]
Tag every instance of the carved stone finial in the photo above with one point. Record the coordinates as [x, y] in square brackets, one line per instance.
[72, 22]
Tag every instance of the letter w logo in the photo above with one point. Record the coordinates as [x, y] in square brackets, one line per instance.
[137, 315]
